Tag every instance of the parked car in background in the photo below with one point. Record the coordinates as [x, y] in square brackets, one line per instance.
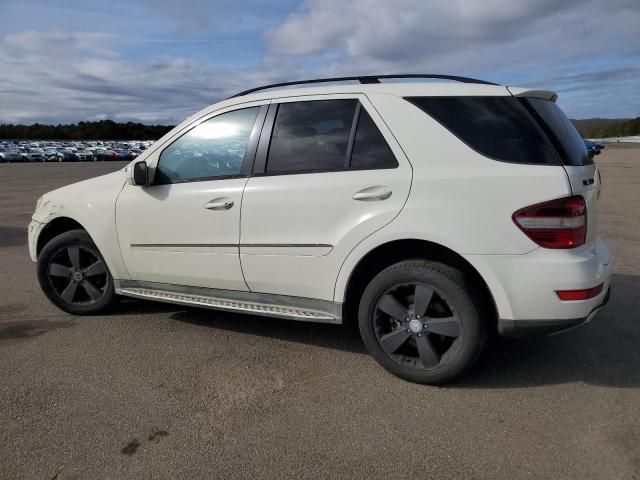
[593, 148]
[67, 155]
[85, 155]
[51, 155]
[11, 155]
[35, 155]
[105, 155]
[125, 155]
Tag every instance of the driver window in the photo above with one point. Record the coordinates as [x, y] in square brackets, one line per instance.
[215, 148]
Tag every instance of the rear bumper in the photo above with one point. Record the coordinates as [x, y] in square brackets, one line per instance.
[524, 286]
[538, 328]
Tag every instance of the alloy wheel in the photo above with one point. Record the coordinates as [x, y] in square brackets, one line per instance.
[417, 326]
[78, 275]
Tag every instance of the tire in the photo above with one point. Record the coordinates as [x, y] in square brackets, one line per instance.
[434, 347]
[74, 276]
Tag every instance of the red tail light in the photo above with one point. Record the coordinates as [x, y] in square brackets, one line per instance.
[560, 223]
[585, 294]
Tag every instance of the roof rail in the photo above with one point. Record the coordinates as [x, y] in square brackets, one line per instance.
[365, 79]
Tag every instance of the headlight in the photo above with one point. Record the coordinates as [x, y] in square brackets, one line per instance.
[38, 203]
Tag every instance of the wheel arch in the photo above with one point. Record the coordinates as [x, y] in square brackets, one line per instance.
[394, 251]
[56, 227]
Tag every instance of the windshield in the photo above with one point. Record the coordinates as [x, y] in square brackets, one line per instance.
[559, 130]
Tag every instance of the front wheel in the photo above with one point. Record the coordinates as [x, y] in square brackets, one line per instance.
[73, 274]
[420, 322]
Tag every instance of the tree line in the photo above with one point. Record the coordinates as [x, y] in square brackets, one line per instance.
[620, 128]
[110, 130]
[101, 130]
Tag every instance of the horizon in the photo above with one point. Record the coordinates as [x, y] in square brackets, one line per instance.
[156, 62]
[173, 125]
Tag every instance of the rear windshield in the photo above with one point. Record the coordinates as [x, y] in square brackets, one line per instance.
[558, 128]
[496, 127]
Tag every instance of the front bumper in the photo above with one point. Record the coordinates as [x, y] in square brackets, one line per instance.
[34, 230]
[537, 328]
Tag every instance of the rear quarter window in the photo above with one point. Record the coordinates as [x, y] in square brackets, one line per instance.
[496, 127]
[566, 140]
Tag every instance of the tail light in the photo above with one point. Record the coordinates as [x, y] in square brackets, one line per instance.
[584, 294]
[560, 223]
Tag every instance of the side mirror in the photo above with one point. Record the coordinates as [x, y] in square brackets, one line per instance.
[140, 175]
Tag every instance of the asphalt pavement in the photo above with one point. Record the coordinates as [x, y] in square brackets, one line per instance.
[162, 391]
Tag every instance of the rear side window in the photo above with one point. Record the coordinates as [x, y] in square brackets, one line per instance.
[559, 130]
[497, 127]
[311, 136]
[370, 149]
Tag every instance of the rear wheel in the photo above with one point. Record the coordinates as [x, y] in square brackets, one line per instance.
[73, 274]
[419, 321]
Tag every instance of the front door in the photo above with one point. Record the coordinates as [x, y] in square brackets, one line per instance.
[184, 228]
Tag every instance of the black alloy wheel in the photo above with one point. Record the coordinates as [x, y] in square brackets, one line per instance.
[416, 325]
[78, 275]
[421, 320]
[73, 274]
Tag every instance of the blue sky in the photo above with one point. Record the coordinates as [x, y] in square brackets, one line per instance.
[157, 61]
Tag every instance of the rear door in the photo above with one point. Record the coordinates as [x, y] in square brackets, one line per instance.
[570, 147]
[327, 174]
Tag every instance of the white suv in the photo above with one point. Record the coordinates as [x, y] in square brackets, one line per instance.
[434, 213]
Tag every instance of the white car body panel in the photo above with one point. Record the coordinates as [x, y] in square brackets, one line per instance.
[168, 236]
[310, 221]
[92, 204]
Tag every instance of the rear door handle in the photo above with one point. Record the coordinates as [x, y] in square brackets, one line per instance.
[222, 203]
[372, 194]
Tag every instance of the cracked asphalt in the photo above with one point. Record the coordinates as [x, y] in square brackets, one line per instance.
[161, 391]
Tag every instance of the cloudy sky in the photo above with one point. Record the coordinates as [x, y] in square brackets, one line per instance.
[157, 61]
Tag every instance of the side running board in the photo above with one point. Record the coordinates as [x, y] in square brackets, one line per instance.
[280, 306]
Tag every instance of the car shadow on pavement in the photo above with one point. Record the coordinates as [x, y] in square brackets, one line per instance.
[134, 306]
[603, 353]
[339, 337]
[12, 236]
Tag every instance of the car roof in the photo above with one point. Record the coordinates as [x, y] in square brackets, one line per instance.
[403, 89]
[400, 89]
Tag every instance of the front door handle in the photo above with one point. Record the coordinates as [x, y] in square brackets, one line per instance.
[222, 203]
[372, 194]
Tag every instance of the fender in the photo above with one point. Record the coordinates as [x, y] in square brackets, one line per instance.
[92, 204]
[387, 235]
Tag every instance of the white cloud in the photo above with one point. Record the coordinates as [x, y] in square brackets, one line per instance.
[56, 76]
[406, 31]
[525, 40]
[583, 49]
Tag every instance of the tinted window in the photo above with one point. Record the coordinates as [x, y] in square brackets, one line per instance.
[560, 131]
[310, 136]
[497, 127]
[215, 148]
[370, 149]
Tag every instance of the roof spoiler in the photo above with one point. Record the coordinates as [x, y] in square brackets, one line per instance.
[530, 92]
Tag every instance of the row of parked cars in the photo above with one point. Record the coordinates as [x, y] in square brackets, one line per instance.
[50, 151]
[95, 151]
